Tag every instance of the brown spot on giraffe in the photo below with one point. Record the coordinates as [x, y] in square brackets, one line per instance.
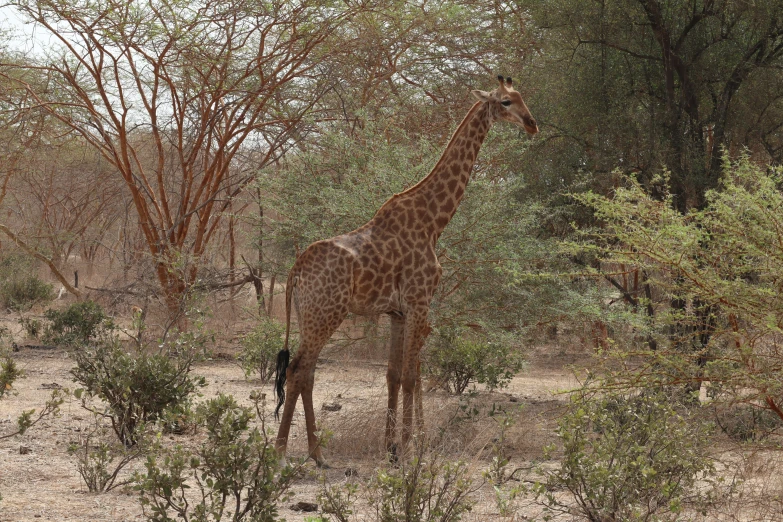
[448, 207]
[343, 274]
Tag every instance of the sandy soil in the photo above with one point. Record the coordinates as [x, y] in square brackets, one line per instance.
[43, 484]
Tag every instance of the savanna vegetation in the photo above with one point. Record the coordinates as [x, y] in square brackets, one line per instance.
[163, 162]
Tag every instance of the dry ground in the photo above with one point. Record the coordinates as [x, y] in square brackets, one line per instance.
[45, 485]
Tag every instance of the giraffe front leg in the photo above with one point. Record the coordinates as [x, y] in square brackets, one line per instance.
[416, 329]
[418, 405]
[408, 391]
[393, 375]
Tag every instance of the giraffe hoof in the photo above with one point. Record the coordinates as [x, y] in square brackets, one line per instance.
[322, 464]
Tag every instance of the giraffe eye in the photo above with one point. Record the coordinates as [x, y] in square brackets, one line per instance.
[506, 103]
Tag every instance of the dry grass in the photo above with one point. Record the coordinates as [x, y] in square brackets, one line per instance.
[752, 487]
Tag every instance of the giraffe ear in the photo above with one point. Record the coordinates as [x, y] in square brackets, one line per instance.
[482, 95]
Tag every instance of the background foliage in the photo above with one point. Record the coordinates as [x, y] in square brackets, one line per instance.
[166, 151]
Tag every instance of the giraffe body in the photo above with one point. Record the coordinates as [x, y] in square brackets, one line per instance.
[387, 266]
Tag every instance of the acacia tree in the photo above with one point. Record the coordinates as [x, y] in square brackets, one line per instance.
[64, 199]
[23, 126]
[725, 262]
[172, 92]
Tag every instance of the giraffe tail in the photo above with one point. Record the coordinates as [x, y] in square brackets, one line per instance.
[284, 355]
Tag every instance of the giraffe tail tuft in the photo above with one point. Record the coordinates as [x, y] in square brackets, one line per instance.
[280, 371]
[284, 355]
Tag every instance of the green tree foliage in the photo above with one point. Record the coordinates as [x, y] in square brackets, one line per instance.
[414, 62]
[645, 84]
[724, 263]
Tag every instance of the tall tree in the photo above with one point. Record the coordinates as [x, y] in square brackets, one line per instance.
[646, 84]
[23, 126]
[172, 92]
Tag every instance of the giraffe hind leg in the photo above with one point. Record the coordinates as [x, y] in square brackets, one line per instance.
[313, 442]
[301, 377]
[291, 396]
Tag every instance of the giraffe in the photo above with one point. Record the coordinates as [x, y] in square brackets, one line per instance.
[387, 266]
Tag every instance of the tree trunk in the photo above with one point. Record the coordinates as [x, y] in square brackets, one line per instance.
[271, 295]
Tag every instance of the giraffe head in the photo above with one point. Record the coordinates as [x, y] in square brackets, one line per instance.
[510, 105]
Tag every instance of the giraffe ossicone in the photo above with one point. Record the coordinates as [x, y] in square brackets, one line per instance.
[387, 266]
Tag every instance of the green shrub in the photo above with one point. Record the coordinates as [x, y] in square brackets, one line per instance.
[458, 357]
[336, 500]
[9, 371]
[179, 419]
[21, 293]
[136, 387]
[236, 472]
[19, 288]
[33, 328]
[100, 460]
[626, 458]
[79, 324]
[260, 348]
[425, 489]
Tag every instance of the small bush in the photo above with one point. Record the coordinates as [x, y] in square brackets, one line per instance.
[747, 422]
[100, 460]
[499, 471]
[20, 290]
[236, 471]
[425, 489]
[136, 387]
[337, 500]
[77, 325]
[260, 348]
[33, 328]
[626, 458]
[457, 358]
[9, 371]
[22, 293]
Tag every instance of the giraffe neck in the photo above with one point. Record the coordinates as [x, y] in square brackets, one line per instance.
[444, 186]
[441, 192]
